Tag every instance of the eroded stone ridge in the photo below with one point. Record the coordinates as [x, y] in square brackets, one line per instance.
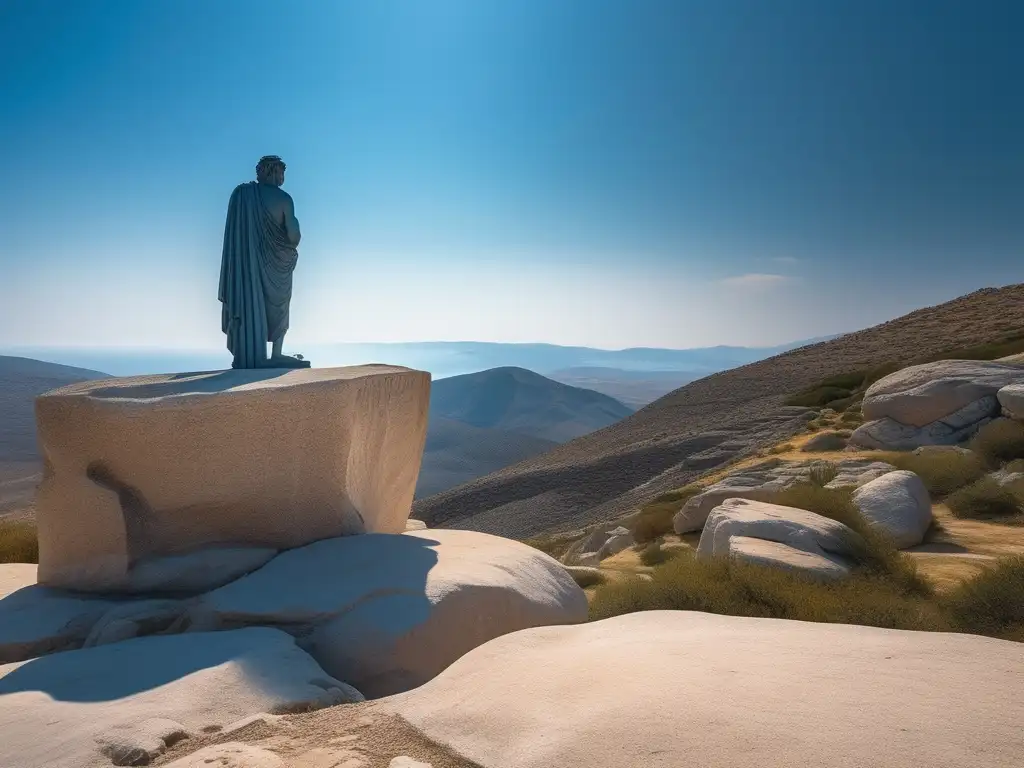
[148, 468]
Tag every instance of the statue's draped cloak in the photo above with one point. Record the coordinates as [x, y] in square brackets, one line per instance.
[255, 277]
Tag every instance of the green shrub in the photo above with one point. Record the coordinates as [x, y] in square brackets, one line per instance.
[999, 441]
[1011, 344]
[880, 372]
[851, 381]
[588, 577]
[18, 542]
[655, 554]
[992, 602]
[942, 471]
[984, 499]
[818, 397]
[655, 519]
[741, 589]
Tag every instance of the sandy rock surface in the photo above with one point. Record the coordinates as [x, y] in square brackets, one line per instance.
[772, 554]
[660, 689]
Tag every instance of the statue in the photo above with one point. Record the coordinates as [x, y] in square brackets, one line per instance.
[260, 238]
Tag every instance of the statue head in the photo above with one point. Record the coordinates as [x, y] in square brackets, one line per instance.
[270, 170]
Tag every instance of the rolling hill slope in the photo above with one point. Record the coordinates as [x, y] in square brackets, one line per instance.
[703, 425]
[518, 400]
[21, 379]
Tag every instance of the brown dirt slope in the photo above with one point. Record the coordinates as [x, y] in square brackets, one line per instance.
[720, 418]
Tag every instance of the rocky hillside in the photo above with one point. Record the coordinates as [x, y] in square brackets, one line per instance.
[521, 401]
[457, 452]
[704, 425]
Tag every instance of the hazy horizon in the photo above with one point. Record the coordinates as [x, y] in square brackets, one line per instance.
[653, 173]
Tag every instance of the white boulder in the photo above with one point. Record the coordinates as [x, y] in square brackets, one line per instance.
[618, 539]
[741, 693]
[152, 467]
[796, 528]
[125, 703]
[897, 504]
[819, 566]
[1011, 400]
[693, 515]
[386, 612]
[922, 394]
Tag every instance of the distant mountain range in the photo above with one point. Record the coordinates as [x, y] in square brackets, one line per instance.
[441, 358]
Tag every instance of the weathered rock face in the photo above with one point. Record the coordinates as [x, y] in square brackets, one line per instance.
[123, 704]
[921, 394]
[941, 403]
[762, 482]
[772, 554]
[793, 527]
[897, 504]
[822, 695]
[890, 435]
[149, 468]
[386, 613]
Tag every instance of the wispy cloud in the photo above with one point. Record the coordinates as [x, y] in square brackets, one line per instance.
[755, 280]
[786, 260]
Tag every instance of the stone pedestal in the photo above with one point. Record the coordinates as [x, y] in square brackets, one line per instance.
[141, 470]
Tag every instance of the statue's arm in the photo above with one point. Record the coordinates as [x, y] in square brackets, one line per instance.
[291, 224]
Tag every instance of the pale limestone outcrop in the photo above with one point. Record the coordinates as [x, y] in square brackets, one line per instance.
[820, 566]
[124, 703]
[742, 693]
[796, 528]
[1011, 400]
[921, 394]
[940, 403]
[898, 505]
[387, 613]
[149, 468]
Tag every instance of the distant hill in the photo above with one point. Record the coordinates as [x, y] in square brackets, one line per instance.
[702, 426]
[21, 379]
[457, 453]
[518, 400]
[632, 388]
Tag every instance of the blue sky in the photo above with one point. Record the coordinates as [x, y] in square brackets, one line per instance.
[634, 173]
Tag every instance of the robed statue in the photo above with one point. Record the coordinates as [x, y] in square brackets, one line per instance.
[260, 239]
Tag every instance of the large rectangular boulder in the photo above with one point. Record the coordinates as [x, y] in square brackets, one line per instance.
[141, 470]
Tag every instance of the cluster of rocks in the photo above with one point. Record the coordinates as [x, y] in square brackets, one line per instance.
[940, 403]
[214, 546]
[736, 516]
[601, 543]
